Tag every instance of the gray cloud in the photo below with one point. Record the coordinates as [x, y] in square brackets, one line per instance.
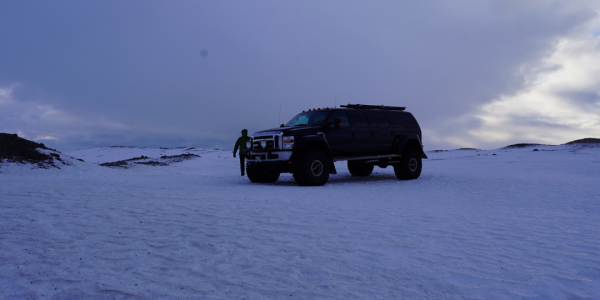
[140, 64]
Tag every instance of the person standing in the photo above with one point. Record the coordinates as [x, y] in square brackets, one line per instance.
[241, 143]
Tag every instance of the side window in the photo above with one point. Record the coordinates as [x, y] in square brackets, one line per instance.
[342, 115]
[403, 120]
[360, 119]
[379, 120]
[318, 119]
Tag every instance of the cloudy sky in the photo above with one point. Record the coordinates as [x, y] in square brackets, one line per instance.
[194, 73]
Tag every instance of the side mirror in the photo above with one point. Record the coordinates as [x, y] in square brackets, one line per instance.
[337, 123]
[281, 125]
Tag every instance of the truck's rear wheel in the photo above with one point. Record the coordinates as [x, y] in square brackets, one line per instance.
[311, 168]
[409, 166]
[259, 174]
[358, 168]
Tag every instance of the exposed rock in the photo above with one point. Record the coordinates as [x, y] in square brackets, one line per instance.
[162, 161]
[119, 163]
[185, 155]
[151, 163]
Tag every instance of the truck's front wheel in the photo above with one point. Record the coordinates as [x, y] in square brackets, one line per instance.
[311, 168]
[259, 174]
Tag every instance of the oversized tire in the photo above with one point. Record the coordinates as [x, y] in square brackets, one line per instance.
[358, 168]
[409, 166]
[259, 174]
[311, 168]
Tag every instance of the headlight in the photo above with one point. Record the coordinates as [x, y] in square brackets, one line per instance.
[248, 145]
[288, 142]
[263, 144]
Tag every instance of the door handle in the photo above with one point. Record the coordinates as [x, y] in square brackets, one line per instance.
[352, 133]
[372, 134]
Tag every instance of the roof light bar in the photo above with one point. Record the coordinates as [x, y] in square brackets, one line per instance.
[366, 106]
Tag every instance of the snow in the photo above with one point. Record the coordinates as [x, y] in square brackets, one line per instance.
[520, 224]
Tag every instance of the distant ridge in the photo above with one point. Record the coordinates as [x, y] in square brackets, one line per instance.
[575, 142]
[521, 145]
[584, 141]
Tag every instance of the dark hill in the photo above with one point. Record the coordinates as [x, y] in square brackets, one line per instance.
[16, 149]
[585, 141]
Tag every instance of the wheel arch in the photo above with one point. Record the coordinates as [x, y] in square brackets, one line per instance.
[316, 142]
[407, 143]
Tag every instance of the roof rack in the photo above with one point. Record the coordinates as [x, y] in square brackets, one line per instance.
[365, 106]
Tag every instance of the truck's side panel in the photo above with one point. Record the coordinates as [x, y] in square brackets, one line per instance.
[382, 133]
[362, 143]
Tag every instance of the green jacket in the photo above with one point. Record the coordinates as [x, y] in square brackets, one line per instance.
[241, 143]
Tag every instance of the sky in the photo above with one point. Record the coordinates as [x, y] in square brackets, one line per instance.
[484, 74]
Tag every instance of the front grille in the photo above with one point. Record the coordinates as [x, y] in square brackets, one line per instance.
[272, 142]
[270, 145]
[263, 137]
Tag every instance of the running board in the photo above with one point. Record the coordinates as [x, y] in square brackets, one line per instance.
[377, 157]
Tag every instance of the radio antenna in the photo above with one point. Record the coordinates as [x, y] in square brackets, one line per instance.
[335, 101]
[279, 114]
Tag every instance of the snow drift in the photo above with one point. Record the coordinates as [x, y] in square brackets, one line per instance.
[509, 223]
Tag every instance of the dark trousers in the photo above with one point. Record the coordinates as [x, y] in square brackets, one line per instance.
[242, 160]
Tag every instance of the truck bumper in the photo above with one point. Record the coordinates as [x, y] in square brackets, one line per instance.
[268, 156]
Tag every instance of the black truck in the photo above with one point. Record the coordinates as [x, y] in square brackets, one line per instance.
[364, 135]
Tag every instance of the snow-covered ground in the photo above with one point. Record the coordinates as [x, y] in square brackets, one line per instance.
[520, 224]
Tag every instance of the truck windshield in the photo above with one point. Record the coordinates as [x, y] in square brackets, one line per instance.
[308, 118]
